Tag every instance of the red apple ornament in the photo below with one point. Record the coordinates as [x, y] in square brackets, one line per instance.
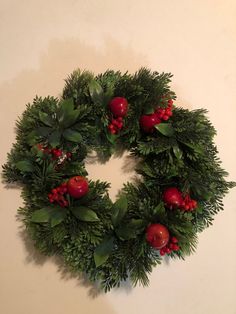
[119, 106]
[77, 186]
[172, 198]
[148, 121]
[157, 236]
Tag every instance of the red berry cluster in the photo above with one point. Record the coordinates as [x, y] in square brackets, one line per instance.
[188, 204]
[165, 113]
[171, 246]
[116, 125]
[56, 153]
[57, 195]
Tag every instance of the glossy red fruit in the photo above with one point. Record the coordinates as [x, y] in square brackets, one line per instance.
[172, 198]
[77, 187]
[119, 106]
[148, 121]
[157, 236]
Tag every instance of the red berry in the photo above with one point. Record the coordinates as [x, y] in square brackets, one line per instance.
[176, 247]
[162, 252]
[171, 245]
[172, 197]
[157, 236]
[174, 240]
[165, 117]
[119, 106]
[147, 122]
[170, 102]
[168, 251]
[120, 119]
[54, 191]
[77, 186]
[68, 155]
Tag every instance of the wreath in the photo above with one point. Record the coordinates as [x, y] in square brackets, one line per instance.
[179, 190]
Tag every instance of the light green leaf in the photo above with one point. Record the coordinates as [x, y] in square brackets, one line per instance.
[111, 137]
[57, 215]
[84, 214]
[165, 129]
[119, 210]
[96, 92]
[149, 110]
[131, 229]
[54, 138]
[70, 119]
[72, 135]
[177, 151]
[65, 109]
[32, 138]
[103, 251]
[45, 118]
[25, 166]
[41, 215]
[160, 211]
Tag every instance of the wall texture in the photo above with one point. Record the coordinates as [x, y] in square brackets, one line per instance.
[43, 41]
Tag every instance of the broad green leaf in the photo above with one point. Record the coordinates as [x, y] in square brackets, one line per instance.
[103, 251]
[54, 138]
[149, 110]
[25, 166]
[177, 151]
[198, 149]
[84, 214]
[43, 131]
[111, 137]
[160, 211]
[45, 118]
[131, 229]
[41, 215]
[165, 129]
[32, 137]
[57, 215]
[119, 210]
[72, 135]
[70, 119]
[65, 109]
[96, 92]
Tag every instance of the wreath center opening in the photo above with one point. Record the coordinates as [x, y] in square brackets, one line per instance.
[117, 171]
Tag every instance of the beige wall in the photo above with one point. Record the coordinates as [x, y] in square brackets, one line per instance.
[43, 41]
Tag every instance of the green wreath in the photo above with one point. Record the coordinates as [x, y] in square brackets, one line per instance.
[180, 190]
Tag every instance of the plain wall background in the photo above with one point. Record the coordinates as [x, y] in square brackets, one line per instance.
[41, 42]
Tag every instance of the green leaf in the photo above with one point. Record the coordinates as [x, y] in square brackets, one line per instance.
[57, 215]
[25, 166]
[111, 137]
[177, 152]
[96, 92]
[32, 137]
[72, 135]
[103, 251]
[84, 214]
[66, 108]
[119, 210]
[149, 110]
[54, 138]
[131, 229]
[159, 211]
[70, 119]
[41, 215]
[197, 148]
[45, 118]
[165, 129]
[43, 131]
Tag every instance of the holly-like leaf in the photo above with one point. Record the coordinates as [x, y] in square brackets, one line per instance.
[111, 137]
[70, 119]
[96, 92]
[131, 229]
[43, 131]
[159, 211]
[149, 110]
[57, 215]
[66, 108]
[103, 251]
[45, 118]
[41, 215]
[165, 129]
[25, 166]
[54, 138]
[85, 214]
[119, 210]
[72, 135]
[177, 152]
[32, 137]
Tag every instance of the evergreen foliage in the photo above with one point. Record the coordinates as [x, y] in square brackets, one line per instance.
[111, 246]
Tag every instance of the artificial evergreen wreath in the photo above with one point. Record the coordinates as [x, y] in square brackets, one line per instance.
[180, 190]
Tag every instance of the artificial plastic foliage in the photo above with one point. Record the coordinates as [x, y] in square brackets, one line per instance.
[181, 183]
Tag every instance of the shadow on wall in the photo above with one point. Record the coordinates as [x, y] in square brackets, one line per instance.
[60, 59]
